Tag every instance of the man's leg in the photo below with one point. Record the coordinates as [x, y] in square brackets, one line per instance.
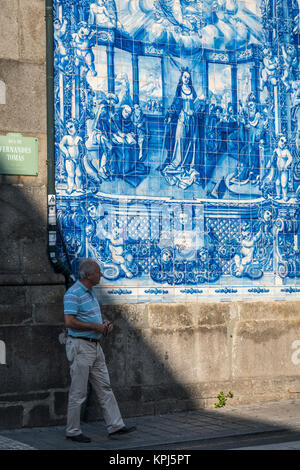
[79, 370]
[100, 381]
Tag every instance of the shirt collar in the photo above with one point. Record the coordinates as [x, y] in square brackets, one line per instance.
[84, 287]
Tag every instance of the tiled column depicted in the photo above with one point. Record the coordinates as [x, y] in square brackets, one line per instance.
[234, 86]
[254, 70]
[135, 78]
[205, 81]
[110, 68]
[76, 94]
[163, 78]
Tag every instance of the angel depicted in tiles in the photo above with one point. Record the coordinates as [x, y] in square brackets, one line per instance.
[269, 72]
[289, 55]
[279, 168]
[182, 166]
[59, 35]
[243, 264]
[71, 146]
[217, 24]
[103, 13]
[117, 261]
[81, 42]
[295, 108]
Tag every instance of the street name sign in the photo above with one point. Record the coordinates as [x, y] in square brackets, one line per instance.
[18, 155]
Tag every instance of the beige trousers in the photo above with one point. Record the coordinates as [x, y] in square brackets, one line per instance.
[87, 363]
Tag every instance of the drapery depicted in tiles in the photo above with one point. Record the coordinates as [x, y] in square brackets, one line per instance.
[177, 140]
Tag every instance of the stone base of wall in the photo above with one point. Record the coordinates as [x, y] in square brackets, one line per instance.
[161, 357]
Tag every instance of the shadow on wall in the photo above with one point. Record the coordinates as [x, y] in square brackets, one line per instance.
[161, 357]
[31, 314]
[34, 375]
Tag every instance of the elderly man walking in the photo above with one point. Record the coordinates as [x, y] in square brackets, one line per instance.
[87, 362]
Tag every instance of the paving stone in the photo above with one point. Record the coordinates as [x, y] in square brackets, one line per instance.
[175, 428]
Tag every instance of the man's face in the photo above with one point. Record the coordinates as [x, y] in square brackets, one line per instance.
[126, 113]
[95, 276]
[103, 111]
[92, 211]
[137, 111]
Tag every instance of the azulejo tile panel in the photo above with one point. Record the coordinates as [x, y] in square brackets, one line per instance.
[177, 138]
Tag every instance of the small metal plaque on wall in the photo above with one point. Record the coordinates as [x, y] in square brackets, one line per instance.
[18, 155]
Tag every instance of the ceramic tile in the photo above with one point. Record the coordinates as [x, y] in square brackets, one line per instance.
[177, 146]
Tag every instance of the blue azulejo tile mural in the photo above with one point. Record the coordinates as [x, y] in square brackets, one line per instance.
[177, 139]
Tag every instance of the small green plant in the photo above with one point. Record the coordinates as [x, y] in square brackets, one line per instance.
[223, 399]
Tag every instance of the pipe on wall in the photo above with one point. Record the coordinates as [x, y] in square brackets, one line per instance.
[53, 224]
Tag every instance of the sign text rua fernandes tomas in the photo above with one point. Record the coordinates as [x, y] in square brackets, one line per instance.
[18, 155]
[165, 460]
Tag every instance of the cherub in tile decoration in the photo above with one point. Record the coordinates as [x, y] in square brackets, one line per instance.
[279, 166]
[115, 242]
[289, 55]
[243, 262]
[103, 13]
[295, 108]
[82, 43]
[269, 73]
[59, 34]
[71, 146]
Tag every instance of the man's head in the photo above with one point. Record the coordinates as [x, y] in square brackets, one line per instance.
[89, 272]
[103, 109]
[126, 111]
[137, 110]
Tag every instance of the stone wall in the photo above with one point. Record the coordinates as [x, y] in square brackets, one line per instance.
[161, 357]
[30, 291]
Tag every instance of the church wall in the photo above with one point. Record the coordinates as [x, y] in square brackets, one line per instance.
[185, 327]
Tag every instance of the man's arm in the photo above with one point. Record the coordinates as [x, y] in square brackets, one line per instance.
[72, 322]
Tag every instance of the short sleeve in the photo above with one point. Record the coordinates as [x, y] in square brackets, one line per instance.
[70, 304]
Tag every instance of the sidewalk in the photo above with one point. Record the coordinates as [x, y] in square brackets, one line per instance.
[160, 431]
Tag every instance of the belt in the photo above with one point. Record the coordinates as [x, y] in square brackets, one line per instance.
[91, 340]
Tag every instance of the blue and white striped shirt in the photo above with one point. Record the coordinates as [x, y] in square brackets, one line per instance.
[82, 303]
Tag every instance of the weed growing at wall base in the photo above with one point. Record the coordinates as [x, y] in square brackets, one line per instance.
[223, 399]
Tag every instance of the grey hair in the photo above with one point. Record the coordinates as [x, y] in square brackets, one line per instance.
[86, 266]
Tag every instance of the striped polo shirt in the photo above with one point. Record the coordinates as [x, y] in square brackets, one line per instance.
[82, 303]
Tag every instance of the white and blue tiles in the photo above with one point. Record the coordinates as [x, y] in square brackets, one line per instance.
[177, 136]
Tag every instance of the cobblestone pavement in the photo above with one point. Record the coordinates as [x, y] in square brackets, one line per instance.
[10, 444]
[174, 429]
[294, 445]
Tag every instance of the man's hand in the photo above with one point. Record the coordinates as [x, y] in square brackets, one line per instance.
[72, 322]
[108, 328]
